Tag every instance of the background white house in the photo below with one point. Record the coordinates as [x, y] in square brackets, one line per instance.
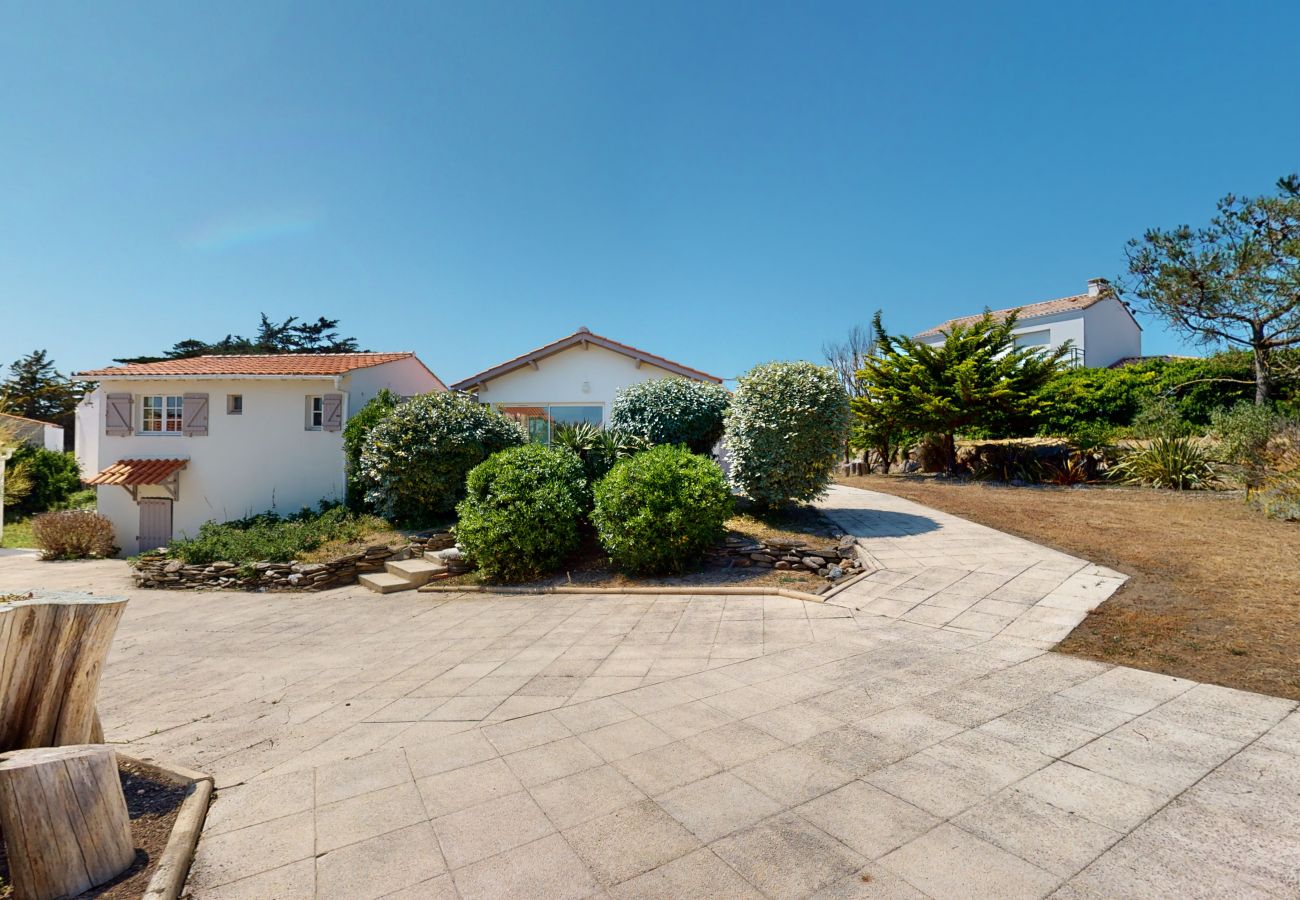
[34, 432]
[570, 380]
[1100, 326]
[173, 444]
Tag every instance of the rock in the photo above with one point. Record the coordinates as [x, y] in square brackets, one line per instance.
[222, 566]
[762, 557]
[813, 562]
[781, 564]
[449, 554]
[824, 571]
[173, 566]
[785, 544]
[848, 542]
[295, 578]
[835, 572]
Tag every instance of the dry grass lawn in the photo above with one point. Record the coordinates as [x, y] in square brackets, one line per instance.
[1214, 589]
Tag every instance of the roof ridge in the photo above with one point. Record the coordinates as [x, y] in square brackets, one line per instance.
[582, 334]
[1090, 300]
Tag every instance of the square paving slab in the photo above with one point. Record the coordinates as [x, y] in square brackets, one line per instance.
[443, 745]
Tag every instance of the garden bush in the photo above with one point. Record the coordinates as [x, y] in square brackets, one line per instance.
[270, 537]
[785, 431]
[414, 462]
[1244, 432]
[74, 534]
[378, 408]
[598, 448]
[672, 411]
[522, 510]
[1172, 461]
[53, 478]
[661, 510]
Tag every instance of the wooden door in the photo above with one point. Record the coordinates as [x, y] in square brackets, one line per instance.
[155, 523]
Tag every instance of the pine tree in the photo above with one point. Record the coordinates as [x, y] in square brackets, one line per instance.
[976, 378]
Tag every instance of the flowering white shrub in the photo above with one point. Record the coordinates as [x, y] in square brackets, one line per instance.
[414, 462]
[672, 411]
[785, 431]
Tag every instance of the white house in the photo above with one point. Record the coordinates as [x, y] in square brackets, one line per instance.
[569, 381]
[1100, 326]
[34, 432]
[173, 444]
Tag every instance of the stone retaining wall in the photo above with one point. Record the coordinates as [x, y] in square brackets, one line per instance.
[833, 559]
[152, 571]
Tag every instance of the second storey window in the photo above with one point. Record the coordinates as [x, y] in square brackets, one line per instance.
[161, 414]
[315, 413]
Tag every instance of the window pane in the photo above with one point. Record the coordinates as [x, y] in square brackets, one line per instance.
[175, 406]
[151, 413]
[572, 415]
[538, 430]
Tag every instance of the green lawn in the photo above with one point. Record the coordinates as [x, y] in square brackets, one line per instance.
[18, 534]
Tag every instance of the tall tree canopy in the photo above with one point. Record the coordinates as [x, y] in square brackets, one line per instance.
[34, 388]
[976, 378]
[1236, 281]
[289, 336]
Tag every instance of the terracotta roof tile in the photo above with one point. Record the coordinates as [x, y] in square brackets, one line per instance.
[133, 472]
[267, 364]
[1027, 311]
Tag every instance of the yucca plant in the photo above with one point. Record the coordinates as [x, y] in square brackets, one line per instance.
[597, 447]
[1179, 462]
[1075, 469]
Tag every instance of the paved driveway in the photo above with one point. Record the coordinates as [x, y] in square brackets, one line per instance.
[668, 746]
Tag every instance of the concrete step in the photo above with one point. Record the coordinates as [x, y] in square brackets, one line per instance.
[385, 583]
[417, 571]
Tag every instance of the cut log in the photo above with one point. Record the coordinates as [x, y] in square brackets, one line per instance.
[64, 820]
[52, 653]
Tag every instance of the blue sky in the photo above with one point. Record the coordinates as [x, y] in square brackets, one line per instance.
[719, 183]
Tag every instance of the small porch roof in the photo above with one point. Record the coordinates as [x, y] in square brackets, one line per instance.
[137, 472]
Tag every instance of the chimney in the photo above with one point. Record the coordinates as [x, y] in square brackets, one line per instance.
[1097, 286]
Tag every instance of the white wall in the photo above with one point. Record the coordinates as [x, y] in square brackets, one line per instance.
[1062, 327]
[250, 463]
[1104, 332]
[1112, 333]
[573, 376]
[405, 377]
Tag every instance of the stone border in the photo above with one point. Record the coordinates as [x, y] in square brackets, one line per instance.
[723, 590]
[168, 879]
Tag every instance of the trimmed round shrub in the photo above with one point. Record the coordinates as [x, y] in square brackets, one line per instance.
[415, 460]
[786, 431]
[672, 411]
[73, 534]
[521, 512]
[661, 510]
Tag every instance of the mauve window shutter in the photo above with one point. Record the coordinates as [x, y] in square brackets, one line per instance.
[117, 415]
[194, 415]
[332, 412]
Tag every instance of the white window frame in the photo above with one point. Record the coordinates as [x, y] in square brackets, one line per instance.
[168, 404]
[315, 412]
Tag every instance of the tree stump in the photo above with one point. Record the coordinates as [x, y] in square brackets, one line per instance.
[52, 652]
[64, 820]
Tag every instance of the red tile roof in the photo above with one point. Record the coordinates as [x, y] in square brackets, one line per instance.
[267, 364]
[582, 335]
[132, 472]
[1028, 311]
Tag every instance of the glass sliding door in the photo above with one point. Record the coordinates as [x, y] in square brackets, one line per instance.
[542, 421]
